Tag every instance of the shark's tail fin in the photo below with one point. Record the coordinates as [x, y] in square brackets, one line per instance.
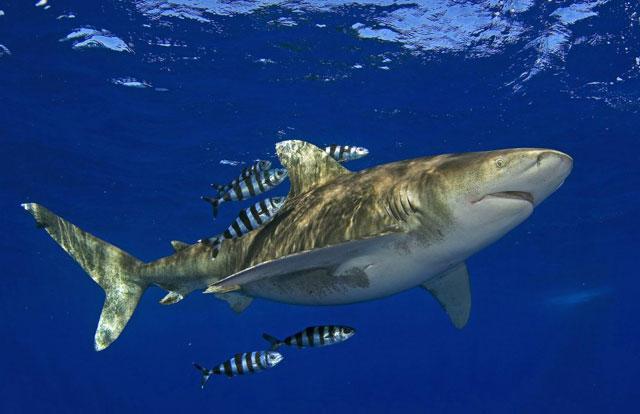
[214, 204]
[117, 272]
[275, 342]
[206, 373]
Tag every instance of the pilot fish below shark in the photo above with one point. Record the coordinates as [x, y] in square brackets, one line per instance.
[240, 364]
[341, 237]
[313, 336]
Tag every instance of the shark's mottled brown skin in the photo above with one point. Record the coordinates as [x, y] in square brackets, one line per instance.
[341, 237]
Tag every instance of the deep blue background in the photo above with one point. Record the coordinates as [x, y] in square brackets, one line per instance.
[554, 325]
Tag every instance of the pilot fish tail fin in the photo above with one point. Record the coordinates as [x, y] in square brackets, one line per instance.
[215, 202]
[117, 272]
[206, 373]
[275, 342]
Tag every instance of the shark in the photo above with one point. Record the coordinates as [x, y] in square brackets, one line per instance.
[341, 237]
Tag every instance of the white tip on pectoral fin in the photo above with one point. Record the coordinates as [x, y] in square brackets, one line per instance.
[452, 290]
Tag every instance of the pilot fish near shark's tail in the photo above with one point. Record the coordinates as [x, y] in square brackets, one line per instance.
[240, 364]
[250, 219]
[254, 169]
[313, 336]
[342, 153]
[249, 187]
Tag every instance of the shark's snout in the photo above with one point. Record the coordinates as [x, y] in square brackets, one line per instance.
[548, 173]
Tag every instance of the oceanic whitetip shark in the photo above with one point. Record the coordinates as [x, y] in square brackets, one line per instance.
[341, 237]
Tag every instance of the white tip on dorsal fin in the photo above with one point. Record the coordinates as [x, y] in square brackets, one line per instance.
[451, 289]
[178, 245]
[308, 165]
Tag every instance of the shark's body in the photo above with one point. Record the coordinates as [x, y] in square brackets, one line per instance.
[341, 237]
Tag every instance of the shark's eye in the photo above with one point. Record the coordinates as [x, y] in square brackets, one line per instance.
[500, 162]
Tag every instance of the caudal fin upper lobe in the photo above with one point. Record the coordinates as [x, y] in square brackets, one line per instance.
[117, 272]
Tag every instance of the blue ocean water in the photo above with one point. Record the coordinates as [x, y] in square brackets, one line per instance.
[118, 115]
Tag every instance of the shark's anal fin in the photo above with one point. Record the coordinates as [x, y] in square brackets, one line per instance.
[237, 301]
[171, 298]
[178, 245]
[308, 165]
[451, 289]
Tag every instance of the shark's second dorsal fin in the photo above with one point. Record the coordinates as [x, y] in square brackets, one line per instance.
[308, 165]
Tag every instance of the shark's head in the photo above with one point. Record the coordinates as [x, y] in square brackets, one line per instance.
[484, 195]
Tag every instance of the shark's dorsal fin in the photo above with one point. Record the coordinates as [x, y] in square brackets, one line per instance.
[178, 245]
[308, 165]
[452, 291]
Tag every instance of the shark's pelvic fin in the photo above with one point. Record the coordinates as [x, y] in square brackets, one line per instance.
[117, 272]
[171, 298]
[308, 165]
[236, 300]
[452, 291]
[178, 245]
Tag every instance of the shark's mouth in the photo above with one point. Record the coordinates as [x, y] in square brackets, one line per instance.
[514, 195]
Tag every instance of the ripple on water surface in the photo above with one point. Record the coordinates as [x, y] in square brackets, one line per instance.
[89, 38]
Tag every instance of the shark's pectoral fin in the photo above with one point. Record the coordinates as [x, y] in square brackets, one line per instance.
[171, 298]
[178, 245]
[451, 289]
[237, 301]
[308, 165]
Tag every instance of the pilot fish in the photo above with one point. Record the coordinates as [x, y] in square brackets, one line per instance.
[254, 169]
[249, 187]
[342, 153]
[249, 219]
[244, 363]
[313, 336]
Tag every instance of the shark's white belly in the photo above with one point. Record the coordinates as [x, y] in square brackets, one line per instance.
[352, 272]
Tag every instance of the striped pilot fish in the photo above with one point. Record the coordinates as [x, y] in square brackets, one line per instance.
[245, 363]
[249, 187]
[342, 153]
[313, 336]
[255, 169]
[249, 219]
